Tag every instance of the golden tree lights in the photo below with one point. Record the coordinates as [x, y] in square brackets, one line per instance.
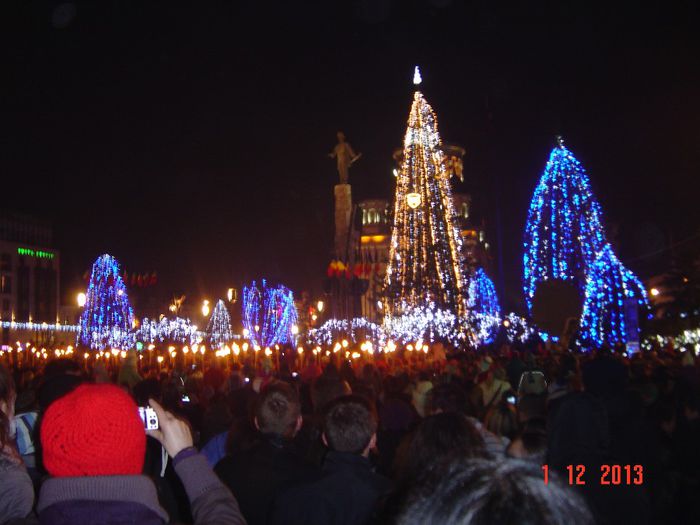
[426, 268]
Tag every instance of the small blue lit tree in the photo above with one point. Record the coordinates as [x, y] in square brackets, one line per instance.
[107, 316]
[564, 231]
[269, 314]
[609, 290]
[219, 327]
[483, 303]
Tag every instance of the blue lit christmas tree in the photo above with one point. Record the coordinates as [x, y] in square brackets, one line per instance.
[269, 314]
[564, 231]
[610, 290]
[483, 304]
[107, 316]
[219, 327]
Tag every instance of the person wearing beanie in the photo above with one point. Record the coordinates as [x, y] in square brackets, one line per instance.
[93, 444]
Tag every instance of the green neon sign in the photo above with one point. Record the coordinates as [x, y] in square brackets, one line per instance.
[39, 254]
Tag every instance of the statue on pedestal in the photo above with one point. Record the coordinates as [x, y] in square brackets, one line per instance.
[345, 157]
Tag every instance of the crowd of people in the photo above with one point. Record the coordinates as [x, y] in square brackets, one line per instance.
[507, 435]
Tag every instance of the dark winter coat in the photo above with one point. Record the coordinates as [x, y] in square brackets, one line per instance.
[258, 474]
[346, 493]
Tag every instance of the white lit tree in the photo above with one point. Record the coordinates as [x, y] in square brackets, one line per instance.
[219, 329]
[426, 272]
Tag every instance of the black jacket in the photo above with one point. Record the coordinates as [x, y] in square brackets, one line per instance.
[345, 494]
[257, 474]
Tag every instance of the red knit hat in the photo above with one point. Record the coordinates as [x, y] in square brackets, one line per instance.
[93, 431]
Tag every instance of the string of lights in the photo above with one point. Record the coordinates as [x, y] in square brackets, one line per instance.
[517, 328]
[269, 314]
[356, 330]
[176, 330]
[427, 323]
[107, 316]
[609, 291]
[39, 327]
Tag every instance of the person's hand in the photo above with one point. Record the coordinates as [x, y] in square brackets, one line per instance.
[174, 434]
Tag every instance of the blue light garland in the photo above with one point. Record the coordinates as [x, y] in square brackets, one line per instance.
[564, 231]
[483, 303]
[268, 314]
[107, 316]
[610, 286]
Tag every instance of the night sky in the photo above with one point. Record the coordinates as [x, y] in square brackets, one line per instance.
[192, 137]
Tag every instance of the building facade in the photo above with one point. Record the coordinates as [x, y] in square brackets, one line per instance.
[29, 270]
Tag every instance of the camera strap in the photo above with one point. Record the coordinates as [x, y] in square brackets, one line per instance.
[163, 461]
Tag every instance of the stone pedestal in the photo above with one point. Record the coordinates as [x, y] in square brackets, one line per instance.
[343, 213]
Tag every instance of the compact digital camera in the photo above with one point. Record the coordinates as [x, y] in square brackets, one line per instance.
[149, 418]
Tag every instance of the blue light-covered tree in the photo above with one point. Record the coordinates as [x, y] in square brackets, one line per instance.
[219, 329]
[483, 304]
[269, 314]
[107, 316]
[564, 231]
[610, 286]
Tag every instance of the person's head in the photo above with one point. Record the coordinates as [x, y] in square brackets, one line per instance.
[326, 388]
[691, 406]
[278, 411]
[145, 390]
[95, 430]
[60, 377]
[531, 443]
[479, 491]
[502, 419]
[62, 366]
[350, 425]
[531, 406]
[446, 397]
[438, 437]
[7, 407]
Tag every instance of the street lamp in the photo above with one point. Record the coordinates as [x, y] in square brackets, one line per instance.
[82, 299]
[319, 306]
[205, 308]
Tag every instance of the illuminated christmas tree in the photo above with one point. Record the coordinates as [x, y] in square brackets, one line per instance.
[269, 314]
[219, 327]
[107, 316]
[425, 274]
[564, 231]
[483, 303]
[610, 290]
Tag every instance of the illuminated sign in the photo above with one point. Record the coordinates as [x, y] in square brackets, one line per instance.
[372, 238]
[39, 254]
[413, 200]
